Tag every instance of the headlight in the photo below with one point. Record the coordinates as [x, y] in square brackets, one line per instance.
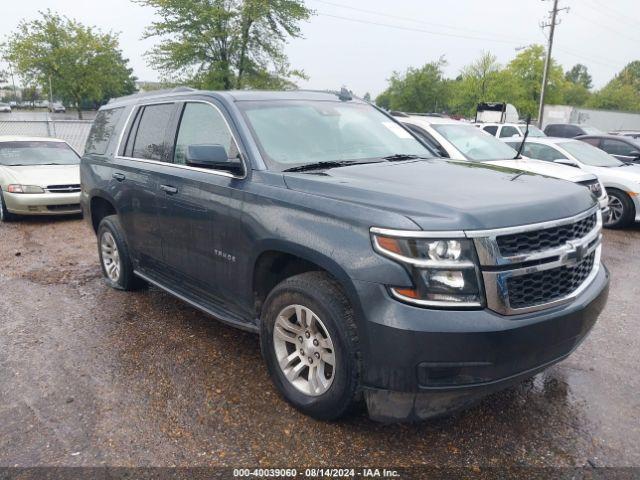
[444, 270]
[25, 189]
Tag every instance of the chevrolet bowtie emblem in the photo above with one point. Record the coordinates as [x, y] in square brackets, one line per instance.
[577, 251]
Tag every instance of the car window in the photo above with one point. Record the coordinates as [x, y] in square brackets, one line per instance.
[618, 147]
[37, 153]
[102, 130]
[589, 155]
[592, 141]
[202, 124]
[509, 131]
[473, 144]
[542, 152]
[428, 139]
[150, 140]
[293, 133]
[534, 131]
[492, 129]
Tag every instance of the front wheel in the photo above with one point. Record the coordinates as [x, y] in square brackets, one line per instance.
[309, 341]
[621, 209]
[5, 214]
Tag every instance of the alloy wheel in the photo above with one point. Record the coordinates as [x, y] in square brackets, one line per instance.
[110, 256]
[304, 350]
[616, 210]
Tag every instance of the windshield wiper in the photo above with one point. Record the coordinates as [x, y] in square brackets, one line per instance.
[524, 139]
[322, 165]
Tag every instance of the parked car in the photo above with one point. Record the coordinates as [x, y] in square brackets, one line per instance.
[5, 108]
[569, 130]
[57, 108]
[627, 133]
[461, 141]
[38, 176]
[507, 130]
[621, 180]
[368, 267]
[625, 149]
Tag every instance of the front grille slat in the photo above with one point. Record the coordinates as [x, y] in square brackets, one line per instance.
[546, 239]
[549, 285]
[72, 188]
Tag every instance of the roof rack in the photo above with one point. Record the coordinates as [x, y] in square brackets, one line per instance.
[152, 93]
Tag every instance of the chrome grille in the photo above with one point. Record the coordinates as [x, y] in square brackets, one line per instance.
[549, 285]
[533, 267]
[72, 188]
[539, 240]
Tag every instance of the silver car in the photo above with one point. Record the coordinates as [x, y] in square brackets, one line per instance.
[5, 108]
[38, 176]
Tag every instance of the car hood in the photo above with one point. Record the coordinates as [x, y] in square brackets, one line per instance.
[447, 195]
[623, 175]
[42, 175]
[549, 169]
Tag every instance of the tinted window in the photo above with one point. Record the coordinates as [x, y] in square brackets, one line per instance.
[37, 153]
[202, 124]
[592, 141]
[492, 129]
[150, 140]
[508, 131]
[618, 147]
[102, 130]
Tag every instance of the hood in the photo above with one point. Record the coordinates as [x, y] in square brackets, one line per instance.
[446, 195]
[549, 169]
[624, 174]
[43, 175]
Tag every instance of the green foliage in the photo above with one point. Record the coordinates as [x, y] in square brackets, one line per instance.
[621, 93]
[417, 90]
[579, 75]
[84, 64]
[225, 44]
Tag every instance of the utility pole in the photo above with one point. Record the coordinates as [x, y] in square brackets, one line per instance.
[547, 61]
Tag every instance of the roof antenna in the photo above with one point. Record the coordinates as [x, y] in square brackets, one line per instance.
[524, 138]
[345, 95]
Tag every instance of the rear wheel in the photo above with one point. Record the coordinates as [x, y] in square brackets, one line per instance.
[621, 209]
[309, 341]
[115, 259]
[5, 215]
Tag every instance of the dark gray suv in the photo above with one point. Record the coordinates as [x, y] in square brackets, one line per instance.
[370, 269]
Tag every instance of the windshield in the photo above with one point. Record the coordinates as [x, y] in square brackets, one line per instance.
[534, 131]
[590, 155]
[37, 153]
[590, 130]
[475, 144]
[295, 133]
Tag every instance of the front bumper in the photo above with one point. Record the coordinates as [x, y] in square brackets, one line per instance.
[421, 363]
[43, 203]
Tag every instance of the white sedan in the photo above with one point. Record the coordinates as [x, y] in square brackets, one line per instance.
[621, 180]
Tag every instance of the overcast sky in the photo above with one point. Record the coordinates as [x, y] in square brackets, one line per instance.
[360, 43]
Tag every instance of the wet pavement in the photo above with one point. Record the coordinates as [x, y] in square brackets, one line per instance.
[91, 376]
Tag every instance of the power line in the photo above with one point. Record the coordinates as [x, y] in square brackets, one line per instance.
[607, 27]
[610, 12]
[418, 21]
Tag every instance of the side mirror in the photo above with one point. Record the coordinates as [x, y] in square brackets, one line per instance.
[566, 161]
[212, 156]
[634, 153]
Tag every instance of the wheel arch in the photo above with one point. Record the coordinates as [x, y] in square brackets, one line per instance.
[100, 206]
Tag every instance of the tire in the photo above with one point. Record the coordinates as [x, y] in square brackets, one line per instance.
[320, 298]
[622, 211]
[115, 259]
[5, 215]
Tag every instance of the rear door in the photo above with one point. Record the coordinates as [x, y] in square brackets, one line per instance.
[145, 147]
[200, 210]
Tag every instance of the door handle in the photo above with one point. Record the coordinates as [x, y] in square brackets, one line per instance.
[119, 176]
[168, 189]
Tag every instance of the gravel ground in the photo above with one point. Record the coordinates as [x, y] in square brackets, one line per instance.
[90, 376]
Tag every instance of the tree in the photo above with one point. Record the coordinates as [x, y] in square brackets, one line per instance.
[417, 90]
[84, 64]
[224, 44]
[622, 92]
[579, 75]
[367, 97]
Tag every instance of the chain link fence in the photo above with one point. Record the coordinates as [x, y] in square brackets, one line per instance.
[74, 132]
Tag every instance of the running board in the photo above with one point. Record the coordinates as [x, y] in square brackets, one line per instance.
[217, 314]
